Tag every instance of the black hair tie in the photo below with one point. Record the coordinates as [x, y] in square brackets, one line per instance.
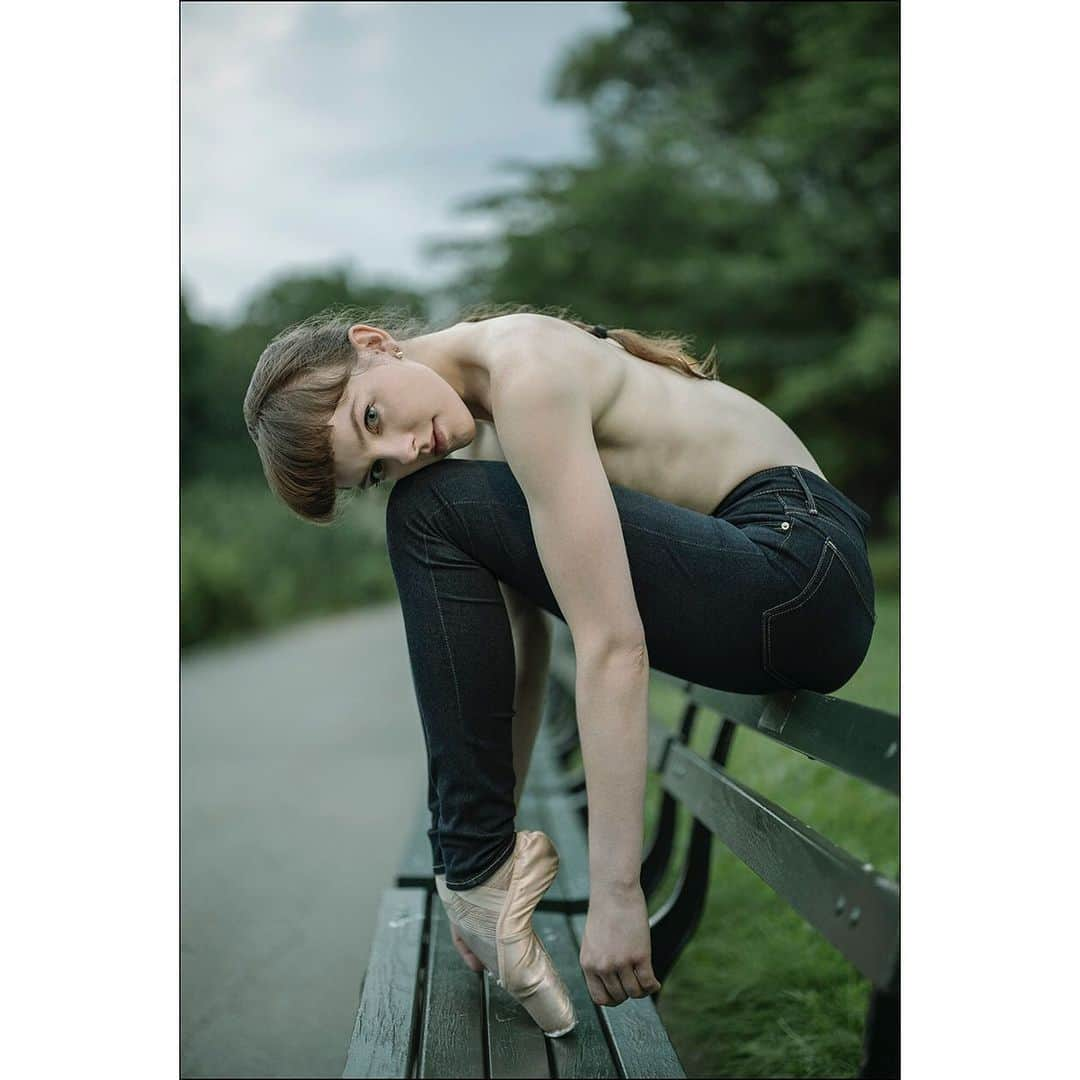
[599, 331]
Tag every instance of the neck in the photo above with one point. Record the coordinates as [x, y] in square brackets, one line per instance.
[452, 354]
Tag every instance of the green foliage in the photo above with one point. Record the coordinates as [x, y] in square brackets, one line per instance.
[247, 563]
[744, 190]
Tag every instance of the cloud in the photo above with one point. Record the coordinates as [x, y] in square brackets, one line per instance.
[319, 132]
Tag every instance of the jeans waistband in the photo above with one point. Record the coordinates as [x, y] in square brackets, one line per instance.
[818, 494]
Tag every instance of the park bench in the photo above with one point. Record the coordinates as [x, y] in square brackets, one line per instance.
[423, 1013]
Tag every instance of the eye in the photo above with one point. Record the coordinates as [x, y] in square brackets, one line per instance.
[376, 474]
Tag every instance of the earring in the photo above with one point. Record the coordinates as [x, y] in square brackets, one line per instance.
[399, 354]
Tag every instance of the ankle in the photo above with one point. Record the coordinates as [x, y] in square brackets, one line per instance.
[498, 879]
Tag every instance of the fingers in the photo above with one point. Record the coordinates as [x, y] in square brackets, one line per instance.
[631, 989]
[613, 988]
[648, 982]
[597, 990]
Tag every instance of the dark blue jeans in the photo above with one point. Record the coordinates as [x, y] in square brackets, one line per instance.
[771, 591]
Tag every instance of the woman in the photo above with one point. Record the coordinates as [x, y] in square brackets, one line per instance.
[669, 519]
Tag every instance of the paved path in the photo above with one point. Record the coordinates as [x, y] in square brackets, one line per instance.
[302, 766]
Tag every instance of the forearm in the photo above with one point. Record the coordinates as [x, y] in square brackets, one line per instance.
[612, 710]
[532, 655]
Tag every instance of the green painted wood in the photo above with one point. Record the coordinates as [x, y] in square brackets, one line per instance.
[515, 1045]
[563, 663]
[859, 740]
[660, 735]
[452, 1032]
[854, 907]
[543, 813]
[563, 824]
[414, 870]
[639, 1041]
[584, 1051]
[530, 813]
[546, 773]
[387, 1022]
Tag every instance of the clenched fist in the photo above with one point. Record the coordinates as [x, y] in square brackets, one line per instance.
[616, 950]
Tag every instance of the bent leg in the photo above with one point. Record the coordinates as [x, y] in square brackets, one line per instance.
[458, 528]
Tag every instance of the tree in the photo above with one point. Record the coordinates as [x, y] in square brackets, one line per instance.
[744, 189]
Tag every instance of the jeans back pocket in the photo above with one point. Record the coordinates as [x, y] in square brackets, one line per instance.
[817, 640]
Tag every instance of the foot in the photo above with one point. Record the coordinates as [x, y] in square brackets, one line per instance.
[495, 921]
[472, 961]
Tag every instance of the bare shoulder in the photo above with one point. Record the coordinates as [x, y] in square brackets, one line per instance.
[541, 362]
[533, 354]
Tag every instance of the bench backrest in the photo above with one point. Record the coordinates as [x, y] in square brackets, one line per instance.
[852, 905]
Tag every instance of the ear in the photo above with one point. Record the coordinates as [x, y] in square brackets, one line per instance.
[364, 336]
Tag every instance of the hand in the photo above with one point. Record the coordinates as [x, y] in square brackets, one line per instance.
[616, 949]
[473, 961]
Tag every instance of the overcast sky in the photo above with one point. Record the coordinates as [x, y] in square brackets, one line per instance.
[314, 133]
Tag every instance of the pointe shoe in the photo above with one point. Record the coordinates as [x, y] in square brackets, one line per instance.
[516, 957]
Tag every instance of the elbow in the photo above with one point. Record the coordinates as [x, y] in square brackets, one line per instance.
[626, 653]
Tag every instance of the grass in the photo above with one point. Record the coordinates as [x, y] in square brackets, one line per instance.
[758, 992]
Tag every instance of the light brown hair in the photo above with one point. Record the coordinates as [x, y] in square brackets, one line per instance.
[302, 373]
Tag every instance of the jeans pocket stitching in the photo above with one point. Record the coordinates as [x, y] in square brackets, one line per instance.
[809, 590]
[855, 581]
[825, 523]
[854, 537]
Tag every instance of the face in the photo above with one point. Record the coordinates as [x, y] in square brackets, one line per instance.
[383, 427]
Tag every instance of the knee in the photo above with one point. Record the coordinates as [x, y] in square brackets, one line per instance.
[422, 494]
[410, 498]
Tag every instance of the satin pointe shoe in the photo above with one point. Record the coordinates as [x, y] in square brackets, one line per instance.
[514, 954]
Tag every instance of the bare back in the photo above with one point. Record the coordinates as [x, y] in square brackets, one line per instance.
[687, 441]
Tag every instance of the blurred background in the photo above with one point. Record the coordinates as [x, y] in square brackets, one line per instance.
[728, 171]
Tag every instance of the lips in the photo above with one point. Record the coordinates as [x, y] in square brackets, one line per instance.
[435, 440]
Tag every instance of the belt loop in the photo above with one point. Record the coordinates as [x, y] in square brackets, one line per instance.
[810, 505]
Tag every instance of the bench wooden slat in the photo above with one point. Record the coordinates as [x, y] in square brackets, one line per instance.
[567, 892]
[560, 821]
[563, 663]
[640, 1041]
[584, 1052]
[545, 771]
[414, 870]
[824, 883]
[859, 740]
[386, 1022]
[452, 1033]
[515, 1045]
